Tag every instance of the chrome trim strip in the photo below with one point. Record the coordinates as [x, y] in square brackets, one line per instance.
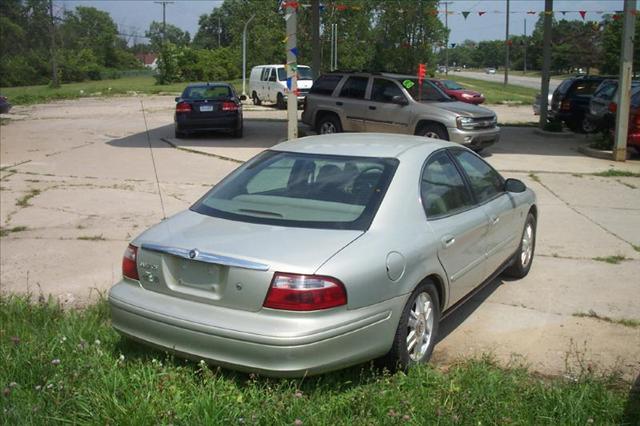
[199, 256]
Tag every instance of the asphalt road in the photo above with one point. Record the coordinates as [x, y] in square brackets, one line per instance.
[533, 82]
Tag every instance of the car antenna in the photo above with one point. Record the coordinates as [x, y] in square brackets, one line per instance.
[153, 160]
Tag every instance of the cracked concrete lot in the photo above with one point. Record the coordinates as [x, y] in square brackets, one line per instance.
[77, 183]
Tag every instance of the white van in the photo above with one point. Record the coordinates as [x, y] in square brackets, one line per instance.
[268, 83]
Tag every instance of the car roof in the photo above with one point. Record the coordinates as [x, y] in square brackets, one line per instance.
[380, 145]
[209, 83]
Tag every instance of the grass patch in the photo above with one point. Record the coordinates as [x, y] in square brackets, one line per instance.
[6, 231]
[622, 321]
[4, 121]
[71, 367]
[614, 260]
[92, 238]
[27, 95]
[617, 173]
[24, 200]
[534, 177]
[495, 93]
[635, 247]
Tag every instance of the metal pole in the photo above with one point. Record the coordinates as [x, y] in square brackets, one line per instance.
[54, 62]
[525, 46]
[624, 88]
[331, 50]
[291, 17]
[506, 43]
[315, 39]
[219, 32]
[446, 44]
[335, 50]
[164, 17]
[546, 63]
[244, 55]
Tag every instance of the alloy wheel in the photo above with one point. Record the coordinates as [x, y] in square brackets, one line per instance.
[527, 245]
[327, 127]
[420, 326]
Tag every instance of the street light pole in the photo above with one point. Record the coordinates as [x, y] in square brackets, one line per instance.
[506, 43]
[244, 55]
[624, 85]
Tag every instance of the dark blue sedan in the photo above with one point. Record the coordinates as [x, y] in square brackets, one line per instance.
[204, 107]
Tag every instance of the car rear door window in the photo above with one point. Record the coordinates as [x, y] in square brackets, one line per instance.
[384, 90]
[272, 76]
[265, 74]
[282, 74]
[354, 87]
[442, 189]
[485, 182]
[325, 84]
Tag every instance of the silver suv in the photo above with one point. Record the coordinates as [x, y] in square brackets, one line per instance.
[394, 103]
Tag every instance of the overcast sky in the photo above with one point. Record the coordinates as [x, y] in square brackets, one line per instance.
[136, 15]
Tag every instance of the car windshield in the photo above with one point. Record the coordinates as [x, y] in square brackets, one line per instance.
[304, 73]
[452, 85]
[429, 92]
[207, 92]
[302, 190]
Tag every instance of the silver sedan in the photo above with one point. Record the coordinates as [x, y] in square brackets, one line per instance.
[325, 252]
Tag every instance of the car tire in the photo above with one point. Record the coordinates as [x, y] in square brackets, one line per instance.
[256, 99]
[420, 316]
[587, 126]
[179, 134]
[433, 130]
[237, 133]
[523, 258]
[280, 103]
[329, 124]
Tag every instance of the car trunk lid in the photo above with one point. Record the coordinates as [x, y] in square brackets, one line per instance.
[228, 263]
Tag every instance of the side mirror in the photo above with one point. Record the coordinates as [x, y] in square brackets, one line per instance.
[178, 99]
[514, 185]
[399, 100]
[243, 97]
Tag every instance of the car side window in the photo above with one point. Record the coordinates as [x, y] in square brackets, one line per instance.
[272, 76]
[442, 189]
[485, 182]
[354, 87]
[265, 74]
[325, 84]
[384, 90]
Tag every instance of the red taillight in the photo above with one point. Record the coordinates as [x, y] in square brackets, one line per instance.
[183, 107]
[129, 265]
[636, 119]
[229, 106]
[566, 105]
[613, 107]
[295, 292]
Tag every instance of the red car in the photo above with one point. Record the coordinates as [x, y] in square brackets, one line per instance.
[458, 92]
[633, 135]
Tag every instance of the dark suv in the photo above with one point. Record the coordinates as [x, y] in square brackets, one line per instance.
[570, 102]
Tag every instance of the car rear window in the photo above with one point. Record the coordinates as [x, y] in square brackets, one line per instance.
[354, 87]
[585, 87]
[325, 84]
[302, 190]
[207, 92]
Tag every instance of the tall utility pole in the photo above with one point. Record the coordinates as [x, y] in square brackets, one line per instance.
[446, 43]
[164, 4]
[624, 92]
[54, 61]
[546, 63]
[291, 18]
[316, 49]
[525, 45]
[506, 43]
[244, 55]
[219, 32]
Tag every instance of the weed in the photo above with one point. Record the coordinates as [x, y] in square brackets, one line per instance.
[627, 322]
[578, 175]
[92, 238]
[635, 247]
[534, 177]
[614, 260]
[24, 201]
[617, 173]
[6, 231]
[603, 142]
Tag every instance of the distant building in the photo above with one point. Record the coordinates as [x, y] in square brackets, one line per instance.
[149, 60]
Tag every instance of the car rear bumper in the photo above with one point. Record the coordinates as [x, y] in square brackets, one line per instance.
[186, 123]
[474, 138]
[271, 342]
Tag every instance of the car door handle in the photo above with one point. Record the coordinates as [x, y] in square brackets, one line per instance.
[339, 103]
[494, 220]
[371, 107]
[448, 240]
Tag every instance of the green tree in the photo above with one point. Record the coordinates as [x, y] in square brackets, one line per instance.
[611, 44]
[173, 35]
